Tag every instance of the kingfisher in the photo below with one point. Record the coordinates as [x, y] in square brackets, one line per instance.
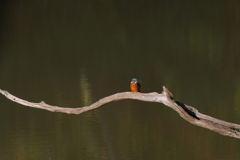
[134, 85]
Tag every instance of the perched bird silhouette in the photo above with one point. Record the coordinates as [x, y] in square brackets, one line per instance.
[134, 85]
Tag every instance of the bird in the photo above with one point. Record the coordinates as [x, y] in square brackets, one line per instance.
[134, 85]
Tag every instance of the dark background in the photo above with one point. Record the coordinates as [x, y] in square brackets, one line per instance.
[72, 53]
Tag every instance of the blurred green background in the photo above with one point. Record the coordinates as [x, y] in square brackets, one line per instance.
[72, 53]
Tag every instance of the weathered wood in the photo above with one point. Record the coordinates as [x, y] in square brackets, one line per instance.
[188, 113]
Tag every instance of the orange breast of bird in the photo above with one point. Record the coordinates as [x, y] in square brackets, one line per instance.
[134, 87]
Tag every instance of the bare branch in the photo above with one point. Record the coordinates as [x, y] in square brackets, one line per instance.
[188, 113]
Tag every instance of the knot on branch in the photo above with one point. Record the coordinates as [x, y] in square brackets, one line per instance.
[167, 93]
